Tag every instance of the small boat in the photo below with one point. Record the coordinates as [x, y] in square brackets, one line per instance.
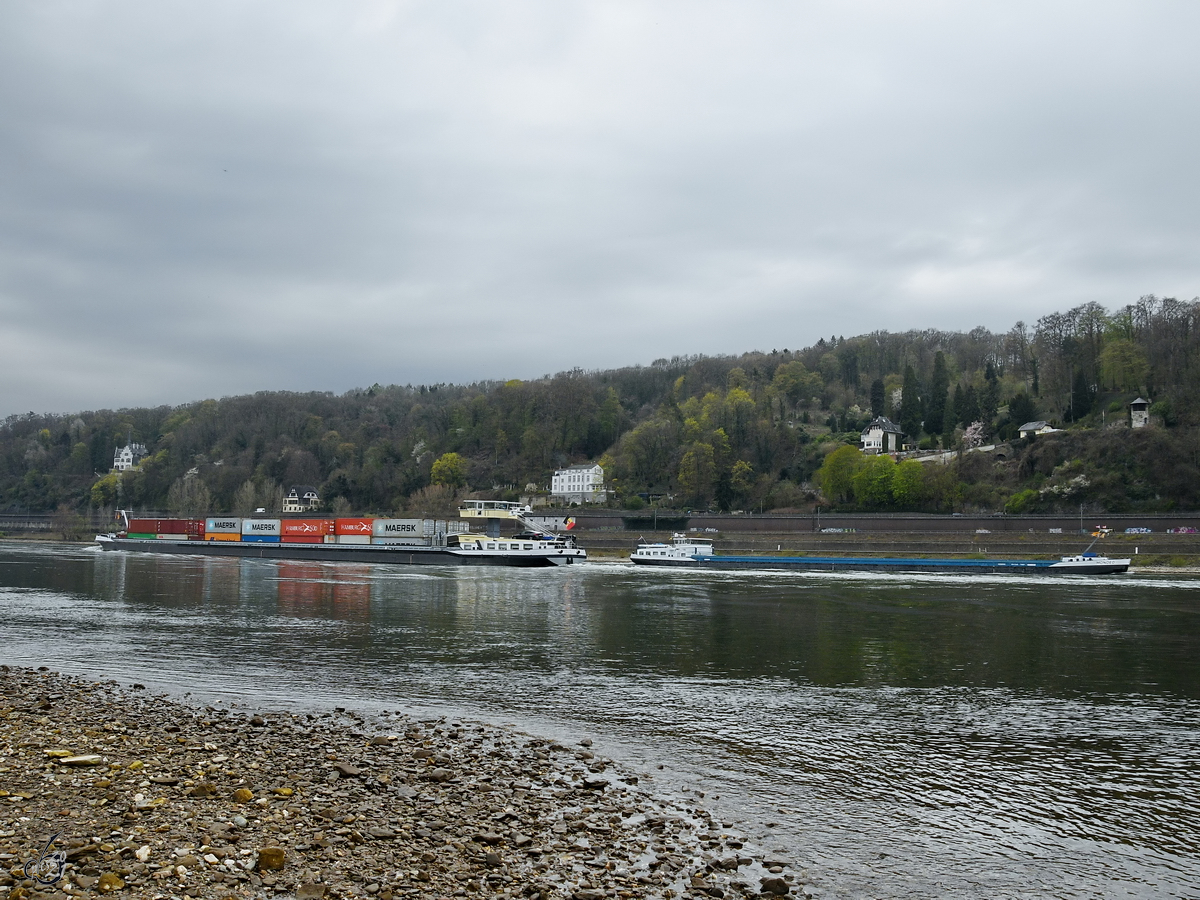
[689, 552]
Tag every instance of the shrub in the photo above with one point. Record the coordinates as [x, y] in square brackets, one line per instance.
[1021, 502]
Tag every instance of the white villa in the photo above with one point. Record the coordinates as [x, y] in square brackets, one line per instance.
[301, 498]
[128, 456]
[882, 436]
[582, 483]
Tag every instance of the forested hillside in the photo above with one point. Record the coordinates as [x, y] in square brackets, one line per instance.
[758, 431]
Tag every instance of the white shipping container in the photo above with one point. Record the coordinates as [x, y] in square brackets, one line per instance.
[272, 527]
[227, 525]
[397, 528]
[354, 539]
[414, 540]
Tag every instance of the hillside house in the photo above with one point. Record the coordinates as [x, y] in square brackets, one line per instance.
[1139, 413]
[301, 498]
[128, 456]
[582, 483]
[882, 436]
[1031, 428]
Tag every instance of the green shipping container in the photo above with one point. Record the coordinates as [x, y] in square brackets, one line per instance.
[138, 536]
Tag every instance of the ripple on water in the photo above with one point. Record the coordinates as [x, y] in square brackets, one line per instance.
[927, 736]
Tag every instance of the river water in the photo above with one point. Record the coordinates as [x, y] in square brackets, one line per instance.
[895, 736]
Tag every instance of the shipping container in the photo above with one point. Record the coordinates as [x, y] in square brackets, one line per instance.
[166, 526]
[311, 528]
[260, 538]
[223, 536]
[414, 541]
[139, 536]
[303, 539]
[354, 539]
[352, 526]
[226, 525]
[262, 527]
[398, 528]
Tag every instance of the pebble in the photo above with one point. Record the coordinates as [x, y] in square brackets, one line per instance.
[200, 801]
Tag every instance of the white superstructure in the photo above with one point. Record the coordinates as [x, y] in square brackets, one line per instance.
[682, 547]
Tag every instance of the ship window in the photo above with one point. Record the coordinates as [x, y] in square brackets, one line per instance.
[491, 546]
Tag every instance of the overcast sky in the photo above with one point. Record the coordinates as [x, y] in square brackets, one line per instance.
[210, 198]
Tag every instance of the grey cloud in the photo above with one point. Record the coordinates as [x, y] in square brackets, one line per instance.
[222, 198]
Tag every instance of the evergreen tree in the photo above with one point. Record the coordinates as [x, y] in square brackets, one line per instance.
[1081, 396]
[935, 403]
[910, 404]
[1021, 409]
[968, 409]
[877, 398]
[989, 401]
[953, 410]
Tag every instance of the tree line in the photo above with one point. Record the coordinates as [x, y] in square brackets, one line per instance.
[738, 432]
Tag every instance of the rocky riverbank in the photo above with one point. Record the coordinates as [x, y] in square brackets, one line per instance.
[116, 791]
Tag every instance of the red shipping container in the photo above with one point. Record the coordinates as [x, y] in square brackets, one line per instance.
[354, 526]
[308, 528]
[167, 526]
[303, 539]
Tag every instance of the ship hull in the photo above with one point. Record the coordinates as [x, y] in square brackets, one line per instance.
[1097, 566]
[390, 554]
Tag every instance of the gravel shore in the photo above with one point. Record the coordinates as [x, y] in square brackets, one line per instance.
[121, 792]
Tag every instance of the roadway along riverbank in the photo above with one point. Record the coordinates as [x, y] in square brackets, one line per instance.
[117, 791]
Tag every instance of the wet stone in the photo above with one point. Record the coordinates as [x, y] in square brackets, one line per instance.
[333, 806]
[271, 858]
[109, 882]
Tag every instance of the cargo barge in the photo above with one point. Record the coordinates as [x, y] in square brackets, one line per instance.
[389, 541]
[688, 552]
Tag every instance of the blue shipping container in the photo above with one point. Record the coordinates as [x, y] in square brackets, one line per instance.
[260, 538]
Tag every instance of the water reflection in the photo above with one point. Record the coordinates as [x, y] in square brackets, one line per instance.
[911, 737]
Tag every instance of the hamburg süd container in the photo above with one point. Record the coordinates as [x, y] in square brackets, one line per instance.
[307, 527]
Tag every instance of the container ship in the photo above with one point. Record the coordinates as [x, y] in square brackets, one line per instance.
[689, 552]
[376, 540]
